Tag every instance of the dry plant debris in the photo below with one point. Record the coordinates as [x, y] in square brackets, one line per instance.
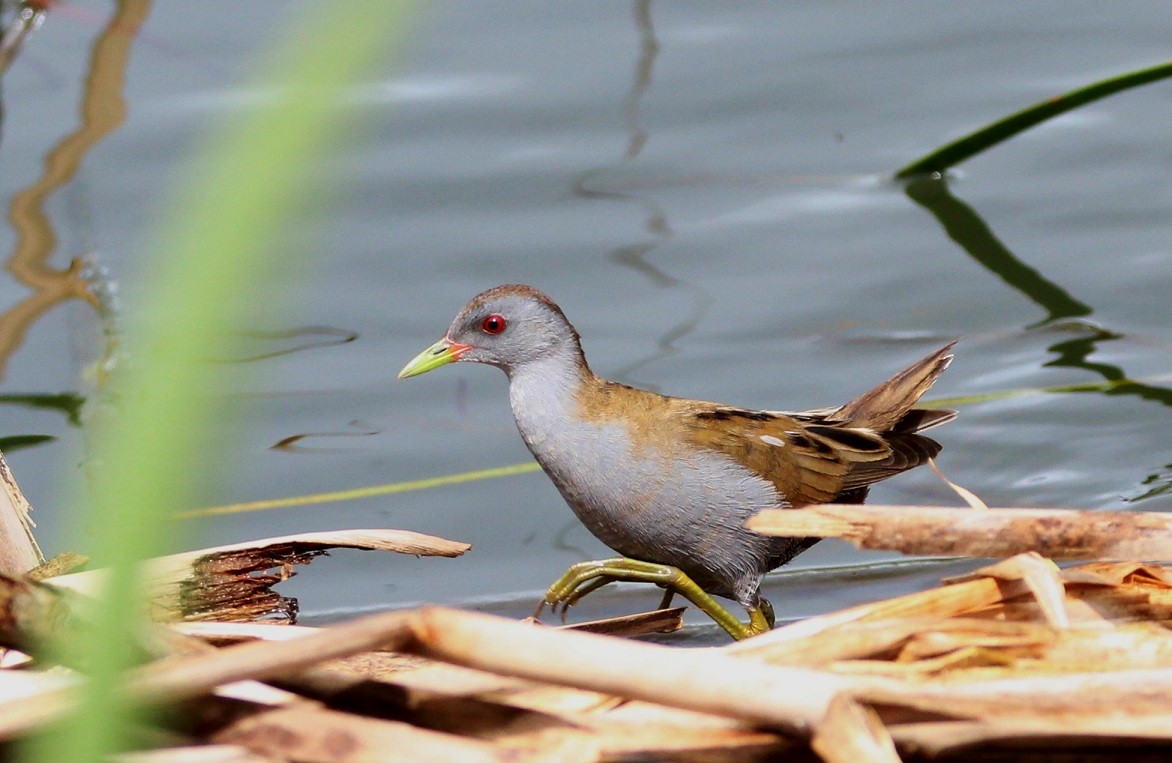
[18, 548]
[234, 583]
[1054, 533]
[1019, 660]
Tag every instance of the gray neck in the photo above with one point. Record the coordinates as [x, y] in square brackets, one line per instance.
[543, 395]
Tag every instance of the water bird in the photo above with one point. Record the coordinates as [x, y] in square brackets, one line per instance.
[668, 482]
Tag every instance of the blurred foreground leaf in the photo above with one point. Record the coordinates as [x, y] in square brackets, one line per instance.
[210, 263]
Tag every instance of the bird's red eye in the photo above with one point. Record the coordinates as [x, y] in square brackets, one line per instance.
[493, 324]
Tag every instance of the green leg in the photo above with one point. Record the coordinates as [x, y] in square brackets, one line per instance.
[760, 618]
[766, 610]
[668, 595]
[585, 577]
[563, 606]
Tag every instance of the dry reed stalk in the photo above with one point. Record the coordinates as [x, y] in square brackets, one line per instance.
[327, 736]
[223, 633]
[30, 709]
[646, 731]
[1054, 533]
[19, 552]
[200, 672]
[193, 675]
[30, 612]
[1091, 593]
[850, 733]
[639, 624]
[1044, 736]
[1143, 692]
[419, 680]
[784, 698]
[938, 603]
[903, 639]
[453, 709]
[1041, 576]
[529, 715]
[205, 753]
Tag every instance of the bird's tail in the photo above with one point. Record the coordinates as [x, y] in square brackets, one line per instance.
[888, 407]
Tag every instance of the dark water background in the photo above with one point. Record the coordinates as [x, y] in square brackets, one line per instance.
[705, 190]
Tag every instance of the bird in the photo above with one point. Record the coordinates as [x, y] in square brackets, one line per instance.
[669, 482]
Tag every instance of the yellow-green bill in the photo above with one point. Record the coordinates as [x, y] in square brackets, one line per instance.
[439, 354]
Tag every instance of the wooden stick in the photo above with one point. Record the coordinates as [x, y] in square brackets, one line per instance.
[192, 675]
[1054, 533]
[784, 698]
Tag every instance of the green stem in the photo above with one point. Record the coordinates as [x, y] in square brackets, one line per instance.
[974, 143]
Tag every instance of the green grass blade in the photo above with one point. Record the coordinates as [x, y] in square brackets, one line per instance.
[427, 483]
[209, 266]
[1003, 129]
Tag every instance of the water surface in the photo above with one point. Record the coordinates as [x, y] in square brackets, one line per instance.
[703, 188]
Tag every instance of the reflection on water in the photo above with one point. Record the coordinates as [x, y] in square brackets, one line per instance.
[1157, 484]
[1075, 353]
[297, 443]
[308, 338]
[964, 226]
[635, 255]
[103, 109]
[640, 137]
[66, 403]
[648, 50]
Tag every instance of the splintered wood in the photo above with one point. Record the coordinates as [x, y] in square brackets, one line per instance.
[235, 583]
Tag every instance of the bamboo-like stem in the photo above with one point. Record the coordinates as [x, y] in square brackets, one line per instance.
[193, 675]
[1054, 533]
[782, 698]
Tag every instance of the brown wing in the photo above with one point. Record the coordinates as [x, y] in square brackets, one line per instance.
[814, 456]
[807, 464]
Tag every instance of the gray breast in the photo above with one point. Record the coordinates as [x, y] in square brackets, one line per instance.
[687, 510]
[654, 504]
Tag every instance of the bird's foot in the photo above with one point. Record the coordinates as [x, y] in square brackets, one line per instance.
[562, 594]
[586, 577]
[761, 618]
